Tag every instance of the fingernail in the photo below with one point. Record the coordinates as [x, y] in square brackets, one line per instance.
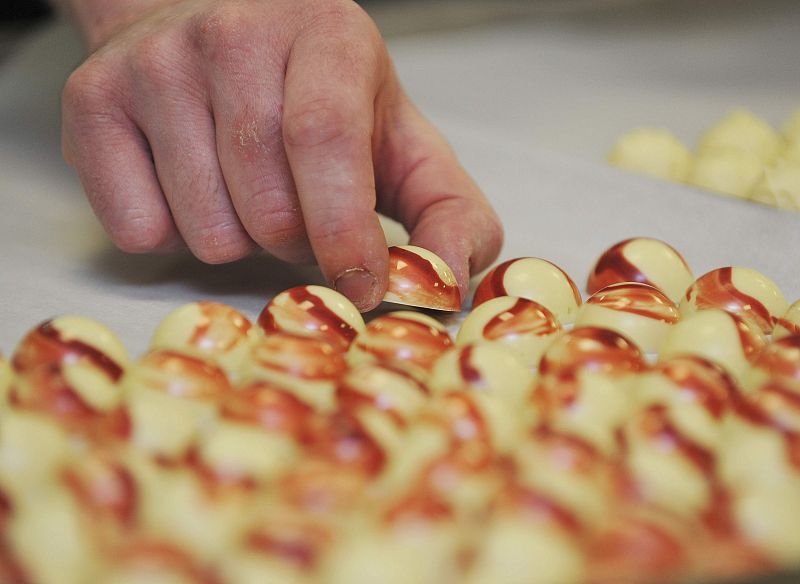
[359, 285]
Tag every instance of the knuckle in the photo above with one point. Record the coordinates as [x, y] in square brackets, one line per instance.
[316, 123]
[218, 30]
[281, 229]
[219, 243]
[87, 91]
[154, 60]
[140, 232]
[335, 229]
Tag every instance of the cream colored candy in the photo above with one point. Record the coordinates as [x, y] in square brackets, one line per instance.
[405, 340]
[769, 518]
[653, 152]
[309, 367]
[523, 326]
[389, 390]
[418, 277]
[243, 452]
[791, 154]
[52, 541]
[535, 279]
[726, 171]
[757, 451]
[313, 311]
[668, 468]
[644, 260]
[32, 450]
[485, 368]
[595, 349]
[370, 555]
[6, 378]
[779, 362]
[479, 417]
[791, 128]
[718, 336]
[569, 470]
[779, 186]
[696, 392]
[788, 323]
[640, 312]
[171, 397]
[177, 505]
[740, 130]
[513, 549]
[741, 291]
[268, 406]
[210, 330]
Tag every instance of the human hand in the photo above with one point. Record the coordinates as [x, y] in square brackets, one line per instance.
[230, 125]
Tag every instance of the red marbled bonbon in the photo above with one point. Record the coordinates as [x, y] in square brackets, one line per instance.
[180, 375]
[103, 488]
[592, 348]
[644, 260]
[717, 289]
[313, 311]
[268, 406]
[640, 299]
[46, 345]
[402, 338]
[302, 358]
[535, 279]
[706, 382]
[418, 281]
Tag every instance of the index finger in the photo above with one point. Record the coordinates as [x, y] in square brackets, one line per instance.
[330, 89]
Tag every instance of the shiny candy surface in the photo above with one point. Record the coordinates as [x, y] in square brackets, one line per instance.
[309, 367]
[313, 311]
[521, 325]
[718, 336]
[741, 291]
[482, 367]
[402, 339]
[211, 330]
[535, 279]
[592, 348]
[418, 277]
[644, 260]
[639, 311]
[383, 388]
[788, 323]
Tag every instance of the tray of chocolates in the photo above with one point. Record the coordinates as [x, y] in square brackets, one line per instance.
[638, 425]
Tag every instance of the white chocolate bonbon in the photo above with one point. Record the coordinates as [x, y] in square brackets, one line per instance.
[523, 326]
[211, 330]
[327, 453]
[644, 260]
[741, 291]
[742, 131]
[535, 279]
[779, 186]
[718, 336]
[640, 311]
[726, 171]
[313, 311]
[653, 152]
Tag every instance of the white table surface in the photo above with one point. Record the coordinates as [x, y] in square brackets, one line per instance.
[530, 104]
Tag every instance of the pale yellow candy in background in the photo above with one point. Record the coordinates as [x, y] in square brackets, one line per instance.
[652, 151]
[779, 186]
[791, 129]
[770, 518]
[792, 151]
[743, 131]
[728, 171]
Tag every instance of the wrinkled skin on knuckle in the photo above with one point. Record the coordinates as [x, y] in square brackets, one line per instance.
[316, 122]
[220, 243]
[138, 232]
